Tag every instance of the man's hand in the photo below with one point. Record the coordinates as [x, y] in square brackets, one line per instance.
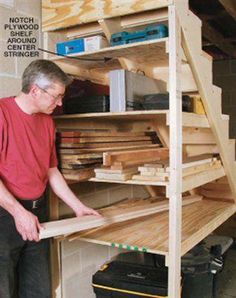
[83, 210]
[27, 225]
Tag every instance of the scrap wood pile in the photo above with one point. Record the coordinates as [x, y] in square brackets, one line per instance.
[122, 165]
[160, 171]
[81, 151]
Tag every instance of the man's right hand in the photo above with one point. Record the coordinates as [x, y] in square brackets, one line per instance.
[27, 225]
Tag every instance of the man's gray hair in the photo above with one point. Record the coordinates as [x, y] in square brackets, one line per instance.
[43, 73]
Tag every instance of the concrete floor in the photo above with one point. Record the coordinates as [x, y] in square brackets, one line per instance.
[226, 285]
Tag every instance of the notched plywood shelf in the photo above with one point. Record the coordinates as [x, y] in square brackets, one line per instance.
[150, 233]
[151, 53]
[188, 119]
[135, 182]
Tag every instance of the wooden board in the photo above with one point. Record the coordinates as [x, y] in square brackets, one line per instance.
[111, 176]
[104, 145]
[97, 133]
[109, 158]
[80, 156]
[80, 161]
[105, 170]
[93, 150]
[152, 233]
[78, 175]
[110, 139]
[193, 181]
[134, 182]
[110, 215]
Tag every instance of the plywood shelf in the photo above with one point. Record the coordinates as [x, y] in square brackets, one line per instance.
[136, 182]
[150, 234]
[151, 53]
[189, 119]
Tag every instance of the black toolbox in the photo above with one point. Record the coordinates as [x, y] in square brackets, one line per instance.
[88, 104]
[126, 278]
[141, 275]
[158, 101]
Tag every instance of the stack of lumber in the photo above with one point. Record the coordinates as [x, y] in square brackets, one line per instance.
[160, 171]
[122, 165]
[81, 151]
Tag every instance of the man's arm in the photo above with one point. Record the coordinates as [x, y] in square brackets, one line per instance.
[26, 223]
[62, 190]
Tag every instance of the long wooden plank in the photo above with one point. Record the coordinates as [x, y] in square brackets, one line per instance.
[104, 170]
[111, 139]
[121, 177]
[102, 133]
[134, 182]
[193, 181]
[72, 225]
[93, 150]
[80, 161]
[104, 145]
[80, 156]
[129, 156]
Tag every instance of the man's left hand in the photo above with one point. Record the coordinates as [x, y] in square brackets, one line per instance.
[84, 210]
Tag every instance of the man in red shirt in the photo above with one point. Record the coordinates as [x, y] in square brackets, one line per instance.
[27, 163]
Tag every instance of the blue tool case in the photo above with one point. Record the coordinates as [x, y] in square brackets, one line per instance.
[70, 47]
[150, 32]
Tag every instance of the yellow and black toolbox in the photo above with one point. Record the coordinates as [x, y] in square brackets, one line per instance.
[127, 278]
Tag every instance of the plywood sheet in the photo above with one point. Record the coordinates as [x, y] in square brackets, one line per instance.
[64, 13]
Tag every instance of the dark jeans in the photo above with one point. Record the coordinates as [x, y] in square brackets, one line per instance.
[24, 265]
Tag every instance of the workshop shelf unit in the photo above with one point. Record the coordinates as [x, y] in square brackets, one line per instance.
[179, 61]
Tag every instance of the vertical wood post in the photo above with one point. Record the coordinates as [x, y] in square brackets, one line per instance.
[175, 186]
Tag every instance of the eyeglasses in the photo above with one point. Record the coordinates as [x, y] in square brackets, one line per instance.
[55, 97]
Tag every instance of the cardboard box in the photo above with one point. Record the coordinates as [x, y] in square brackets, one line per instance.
[94, 43]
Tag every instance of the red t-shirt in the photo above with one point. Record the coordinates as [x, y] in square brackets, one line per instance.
[27, 150]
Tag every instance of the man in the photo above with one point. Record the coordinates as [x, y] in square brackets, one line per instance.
[27, 163]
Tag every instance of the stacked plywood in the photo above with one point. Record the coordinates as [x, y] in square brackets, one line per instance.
[82, 151]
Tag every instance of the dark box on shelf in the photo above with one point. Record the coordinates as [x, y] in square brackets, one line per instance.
[159, 101]
[126, 279]
[88, 104]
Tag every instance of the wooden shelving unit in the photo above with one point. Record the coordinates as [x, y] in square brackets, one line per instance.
[171, 233]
